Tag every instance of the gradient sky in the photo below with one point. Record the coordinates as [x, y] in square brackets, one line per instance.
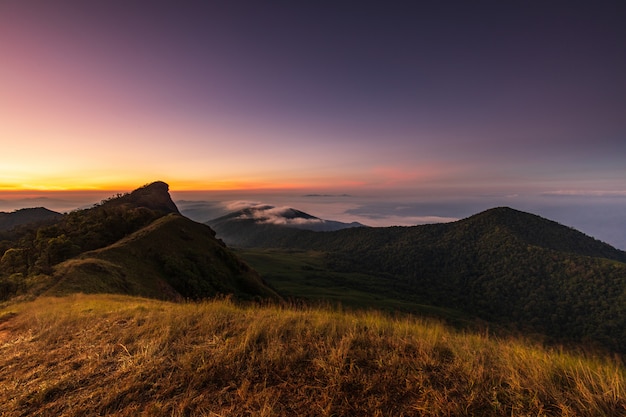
[412, 98]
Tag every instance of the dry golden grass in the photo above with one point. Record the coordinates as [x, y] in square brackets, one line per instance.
[115, 355]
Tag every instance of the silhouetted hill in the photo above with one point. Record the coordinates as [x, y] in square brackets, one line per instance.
[154, 196]
[171, 258]
[254, 226]
[502, 265]
[26, 216]
[538, 231]
[73, 253]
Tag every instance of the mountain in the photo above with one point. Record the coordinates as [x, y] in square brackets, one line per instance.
[154, 196]
[33, 250]
[172, 258]
[538, 231]
[26, 216]
[526, 227]
[252, 226]
[135, 243]
[505, 266]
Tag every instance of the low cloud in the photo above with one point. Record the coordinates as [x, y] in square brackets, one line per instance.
[389, 213]
[241, 204]
[385, 221]
[201, 211]
[286, 216]
[585, 193]
[597, 213]
[327, 195]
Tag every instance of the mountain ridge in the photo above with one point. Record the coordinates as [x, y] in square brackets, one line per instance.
[539, 231]
[530, 228]
[10, 220]
[154, 196]
[144, 263]
[136, 243]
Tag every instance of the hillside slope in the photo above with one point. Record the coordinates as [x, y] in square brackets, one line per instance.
[27, 216]
[172, 258]
[135, 243]
[538, 231]
[117, 355]
[35, 249]
[505, 266]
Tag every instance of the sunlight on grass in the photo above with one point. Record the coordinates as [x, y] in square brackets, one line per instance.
[98, 355]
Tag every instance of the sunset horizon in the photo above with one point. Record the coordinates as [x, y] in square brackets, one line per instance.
[442, 108]
[292, 208]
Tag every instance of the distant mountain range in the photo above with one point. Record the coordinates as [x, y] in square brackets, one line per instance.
[243, 227]
[25, 216]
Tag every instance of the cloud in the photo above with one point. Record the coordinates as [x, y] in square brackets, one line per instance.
[387, 220]
[286, 216]
[241, 204]
[585, 193]
[201, 211]
[327, 195]
[388, 213]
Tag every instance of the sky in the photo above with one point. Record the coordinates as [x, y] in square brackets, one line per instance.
[442, 107]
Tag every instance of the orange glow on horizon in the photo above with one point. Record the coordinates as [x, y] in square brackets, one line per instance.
[38, 187]
[174, 185]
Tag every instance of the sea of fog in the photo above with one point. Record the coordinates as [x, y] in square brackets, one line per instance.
[600, 216]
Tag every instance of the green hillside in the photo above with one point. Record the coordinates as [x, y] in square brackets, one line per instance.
[508, 267]
[171, 258]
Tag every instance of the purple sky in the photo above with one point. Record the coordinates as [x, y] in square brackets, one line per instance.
[390, 99]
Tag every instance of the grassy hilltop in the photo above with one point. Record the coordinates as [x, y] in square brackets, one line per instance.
[116, 355]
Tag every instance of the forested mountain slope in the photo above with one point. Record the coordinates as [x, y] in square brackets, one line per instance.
[25, 216]
[502, 265]
[135, 243]
[172, 258]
